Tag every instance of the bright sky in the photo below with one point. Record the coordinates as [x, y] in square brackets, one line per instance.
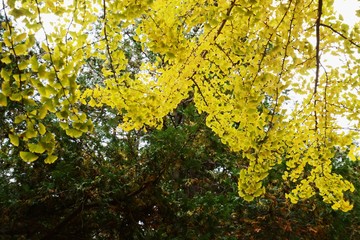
[348, 8]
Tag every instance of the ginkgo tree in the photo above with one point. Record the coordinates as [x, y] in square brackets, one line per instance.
[231, 56]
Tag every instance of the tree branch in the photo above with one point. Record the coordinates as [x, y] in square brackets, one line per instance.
[64, 222]
[317, 27]
[340, 34]
[232, 5]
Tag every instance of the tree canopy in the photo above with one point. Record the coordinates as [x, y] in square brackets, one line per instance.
[241, 63]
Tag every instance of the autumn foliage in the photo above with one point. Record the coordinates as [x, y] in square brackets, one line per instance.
[256, 69]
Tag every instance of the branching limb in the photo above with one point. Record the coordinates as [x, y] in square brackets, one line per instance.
[317, 56]
[317, 26]
[340, 34]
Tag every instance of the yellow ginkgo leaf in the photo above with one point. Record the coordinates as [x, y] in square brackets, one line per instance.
[28, 156]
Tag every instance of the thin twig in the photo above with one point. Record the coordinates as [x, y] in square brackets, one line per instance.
[340, 34]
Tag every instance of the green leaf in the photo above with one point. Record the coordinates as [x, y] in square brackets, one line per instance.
[259, 192]
[50, 105]
[23, 65]
[16, 97]
[17, 13]
[34, 63]
[64, 125]
[42, 112]
[62, 115]
[73, 133]
[14, 139]
[20, 49]
[36, 148]
[80, 126]
[50, 159]
[28, 156]
[6, 60]
[42, 72]
[3, 100]
[5, 86]
[31, 133]
[248, 198]
[7, 42]
[20, 37]
[19, 118]
[42, 129]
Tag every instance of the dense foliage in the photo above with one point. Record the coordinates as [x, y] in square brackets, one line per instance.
[132, 120]
[181, 184]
